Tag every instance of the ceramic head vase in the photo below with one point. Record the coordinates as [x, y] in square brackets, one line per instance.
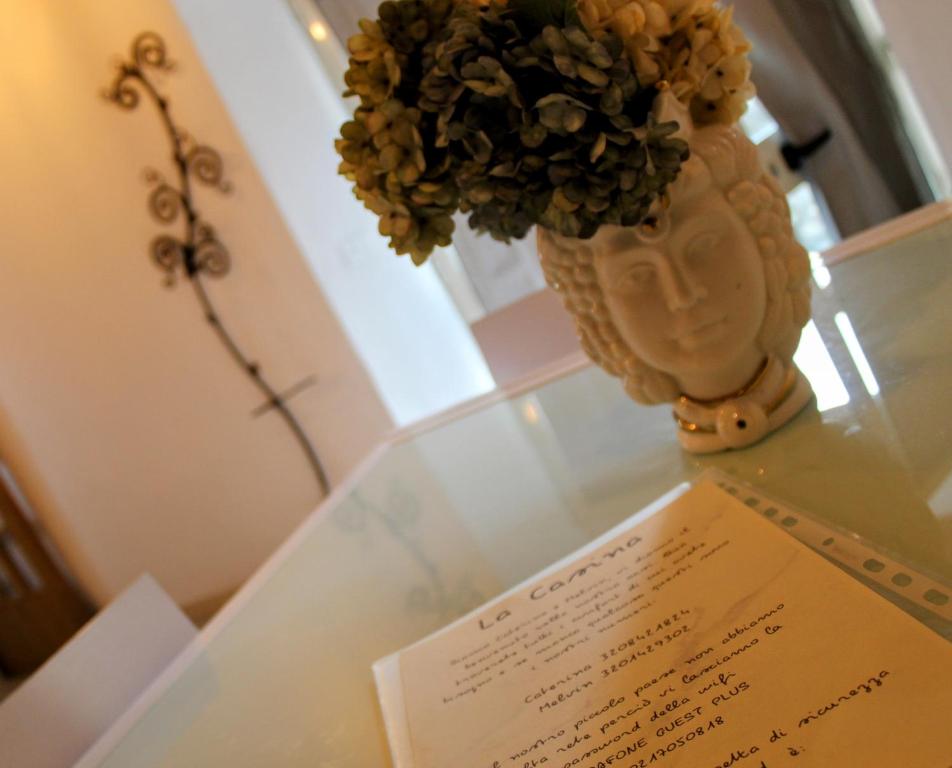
[702, 304]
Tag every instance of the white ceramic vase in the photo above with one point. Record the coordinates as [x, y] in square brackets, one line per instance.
[703, 303]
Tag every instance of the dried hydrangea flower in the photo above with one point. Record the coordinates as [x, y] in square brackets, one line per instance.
[692, 44]
[374, 71]
[546, 127]
[525, 112]
[397, 173]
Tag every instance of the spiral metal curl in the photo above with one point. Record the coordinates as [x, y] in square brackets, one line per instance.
[205, 164]
[211, 256]
[165, 202]
[148, 50]
[123, 91]
[168, 255]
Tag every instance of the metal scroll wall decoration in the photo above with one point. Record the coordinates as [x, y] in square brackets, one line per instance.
[198, 253]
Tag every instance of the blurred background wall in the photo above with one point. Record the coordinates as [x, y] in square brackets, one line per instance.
[918, 35]
[126, 423]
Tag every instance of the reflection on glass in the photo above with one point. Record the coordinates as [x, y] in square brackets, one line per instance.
[811, 225]
[530, 413]
[941, 500]
[757, 122]
[856, 352]
[821, 275]
[318, 31]
[814, 360]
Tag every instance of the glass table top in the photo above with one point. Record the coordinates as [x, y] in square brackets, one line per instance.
[449, 518]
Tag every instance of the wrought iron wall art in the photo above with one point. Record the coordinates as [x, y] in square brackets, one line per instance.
[199, 253]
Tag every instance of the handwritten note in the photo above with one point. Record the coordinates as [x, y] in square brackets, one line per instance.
[701, 637]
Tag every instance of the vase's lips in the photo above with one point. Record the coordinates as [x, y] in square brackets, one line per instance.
[702, 332]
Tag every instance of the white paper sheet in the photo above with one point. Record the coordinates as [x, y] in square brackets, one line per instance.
[697, 636]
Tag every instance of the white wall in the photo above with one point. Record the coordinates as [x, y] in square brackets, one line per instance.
[121, 414]
[918, 31]
[287, 106]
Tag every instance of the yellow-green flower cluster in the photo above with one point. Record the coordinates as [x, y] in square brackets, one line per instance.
[382, 153]
[396, 174]
[529, 112]
[374, 71]
[693, 45]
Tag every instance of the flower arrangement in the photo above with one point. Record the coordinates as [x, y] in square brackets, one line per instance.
[529, 112]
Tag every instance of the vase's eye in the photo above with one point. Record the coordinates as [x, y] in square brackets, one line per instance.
[623, 240]
[640, 277]
[704, 244]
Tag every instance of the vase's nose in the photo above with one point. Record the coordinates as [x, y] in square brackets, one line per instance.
[680, 288]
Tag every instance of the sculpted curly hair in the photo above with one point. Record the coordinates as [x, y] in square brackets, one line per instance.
[729, 160]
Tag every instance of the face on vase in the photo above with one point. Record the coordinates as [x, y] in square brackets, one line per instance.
[689, 296]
